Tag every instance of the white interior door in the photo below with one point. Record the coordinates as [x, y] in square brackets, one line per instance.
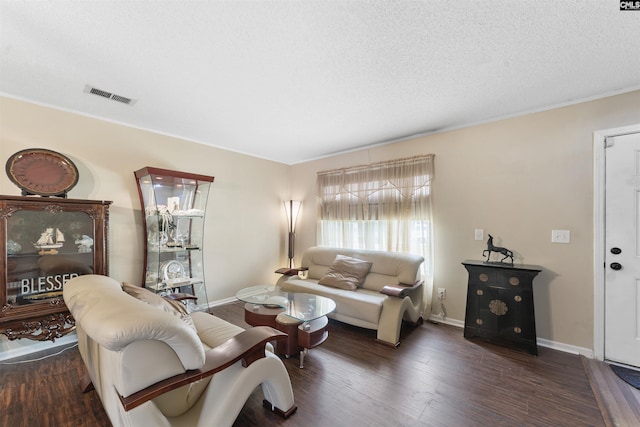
[622, 247]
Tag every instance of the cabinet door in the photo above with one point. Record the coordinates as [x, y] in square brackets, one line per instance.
[522, 324]
[518, 296]
[493, 315]
[45, 245]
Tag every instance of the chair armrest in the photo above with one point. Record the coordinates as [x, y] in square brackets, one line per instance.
[247, 346]
[401, 290]
[181, 296]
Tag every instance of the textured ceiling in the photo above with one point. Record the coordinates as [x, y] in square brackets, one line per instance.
[296, 80]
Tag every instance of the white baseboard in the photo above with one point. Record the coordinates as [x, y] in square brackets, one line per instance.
[222, 302]
[13, 349]
[566, 348]
[434, 318]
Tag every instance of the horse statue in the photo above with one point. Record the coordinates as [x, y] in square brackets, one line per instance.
[497, 249]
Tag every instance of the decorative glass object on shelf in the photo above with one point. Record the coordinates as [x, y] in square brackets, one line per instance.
[173, 207]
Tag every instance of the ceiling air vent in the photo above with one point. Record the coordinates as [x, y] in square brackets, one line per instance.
[109, 95]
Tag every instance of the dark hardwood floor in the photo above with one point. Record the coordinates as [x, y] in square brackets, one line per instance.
[435, 378]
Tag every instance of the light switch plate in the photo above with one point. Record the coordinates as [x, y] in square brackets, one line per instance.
[560, 236]
[479, 233]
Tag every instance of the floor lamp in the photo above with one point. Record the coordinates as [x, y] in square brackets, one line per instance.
[292, 207]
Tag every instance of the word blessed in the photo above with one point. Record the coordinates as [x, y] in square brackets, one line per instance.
[37, 285]
[629, 5]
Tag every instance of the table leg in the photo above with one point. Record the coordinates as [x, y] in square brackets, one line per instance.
[312, 334]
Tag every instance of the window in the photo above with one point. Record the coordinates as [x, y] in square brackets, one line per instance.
[382, 206]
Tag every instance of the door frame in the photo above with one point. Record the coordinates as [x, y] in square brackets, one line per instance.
[599, 232]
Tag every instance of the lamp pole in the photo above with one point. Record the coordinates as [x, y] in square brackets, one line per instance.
[292, 208]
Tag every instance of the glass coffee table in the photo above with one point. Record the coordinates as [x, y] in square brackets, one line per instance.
[303, 317]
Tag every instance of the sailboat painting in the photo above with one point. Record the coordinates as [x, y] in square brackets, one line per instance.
[49, 242]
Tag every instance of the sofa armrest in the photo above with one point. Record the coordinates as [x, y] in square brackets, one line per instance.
[290, 271]
[247, 346]
[401, 290]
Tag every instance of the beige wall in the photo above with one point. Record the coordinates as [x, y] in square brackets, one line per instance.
[245, 223]
[517, 179]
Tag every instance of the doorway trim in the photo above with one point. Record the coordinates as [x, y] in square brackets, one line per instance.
[599, 138]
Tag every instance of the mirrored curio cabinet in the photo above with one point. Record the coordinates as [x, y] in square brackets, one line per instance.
[44, 242]
[173, 210]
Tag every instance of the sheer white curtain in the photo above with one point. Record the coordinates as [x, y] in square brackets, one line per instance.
[382, 206]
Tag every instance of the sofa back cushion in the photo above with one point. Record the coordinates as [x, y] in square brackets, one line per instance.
[387, 268]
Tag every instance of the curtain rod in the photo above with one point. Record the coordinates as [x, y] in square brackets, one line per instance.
[385, 162]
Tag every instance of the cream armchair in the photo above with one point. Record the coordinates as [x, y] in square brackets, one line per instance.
[155, 365]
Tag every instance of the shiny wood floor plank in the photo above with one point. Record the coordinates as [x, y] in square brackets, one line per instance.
[618, 401]
[435, 378]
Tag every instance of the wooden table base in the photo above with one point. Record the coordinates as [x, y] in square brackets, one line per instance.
[302, 336]
[312, 334]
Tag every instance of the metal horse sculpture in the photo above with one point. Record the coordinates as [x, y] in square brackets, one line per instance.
[504, 251]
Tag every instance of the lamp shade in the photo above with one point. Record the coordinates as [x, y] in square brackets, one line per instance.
[292, 207]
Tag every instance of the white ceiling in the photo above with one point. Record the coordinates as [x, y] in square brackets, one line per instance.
[296, 80]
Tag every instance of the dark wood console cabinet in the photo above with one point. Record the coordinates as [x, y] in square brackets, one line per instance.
[44, 242]
[500, 304]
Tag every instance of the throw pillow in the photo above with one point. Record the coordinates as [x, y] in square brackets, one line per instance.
[170, 306]
[346, 273]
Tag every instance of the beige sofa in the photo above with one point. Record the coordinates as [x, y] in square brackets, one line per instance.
[153, 364]
[390, 291]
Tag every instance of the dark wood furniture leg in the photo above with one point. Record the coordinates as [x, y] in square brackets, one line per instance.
[86, 385]
[312, 334]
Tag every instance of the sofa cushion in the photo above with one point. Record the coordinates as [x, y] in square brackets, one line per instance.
[212, 330]
[363, 304]
[170, 306]
[346, 273]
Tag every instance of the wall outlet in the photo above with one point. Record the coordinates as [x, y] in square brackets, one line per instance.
[479, 234]
[442, 293]
[560, 236]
